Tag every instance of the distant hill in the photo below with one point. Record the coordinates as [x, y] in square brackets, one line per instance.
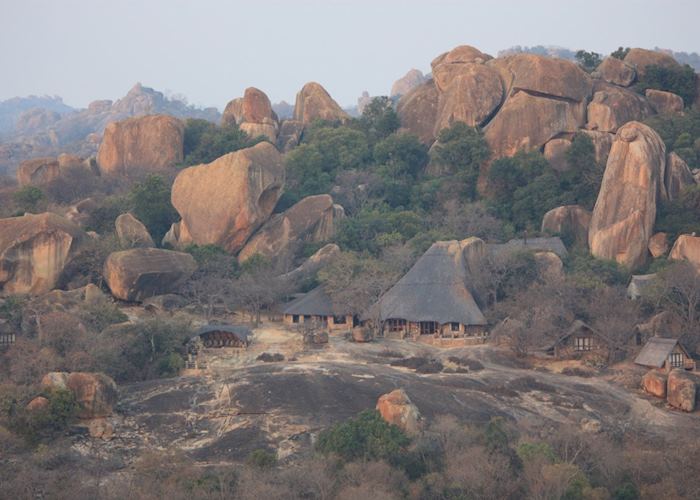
[46, 127]
[692, 59]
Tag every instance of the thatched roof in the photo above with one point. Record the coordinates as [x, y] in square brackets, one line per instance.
[240, 331]
[552, 244]
[656, 351]
[638, 283]
[434, 289]
[315, 303]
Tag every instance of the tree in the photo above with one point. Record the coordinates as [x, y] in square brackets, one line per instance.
[588, 60]
[620, 53]
[379, 120]
[212, 285]
[584, 175]
[258, 286]
[403, 155]
[29, 198]
[150, 203]
[680, 81]
[462, 150]
[205, 141]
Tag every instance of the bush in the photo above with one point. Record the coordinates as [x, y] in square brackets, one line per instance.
[680, 81]
[588, 60]
[620, 53]
[55, 419]
[204, 141]
[262, 459]
[680, 216]
[379, 120]
[365, 437]
[403, 155]
[29, 199]
[589, 272]
[150, 203]
[680, 133]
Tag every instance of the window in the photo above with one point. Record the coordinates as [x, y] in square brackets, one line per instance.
[583, 343]
[454, 327]
[396, 325]
[675, 359]
[295, 318]
[428, 327]
[339, 320]
[7, 339]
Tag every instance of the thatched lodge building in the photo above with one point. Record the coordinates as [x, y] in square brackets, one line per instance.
[433, 298]
[581, 341]
[316, 307]
[665, 354]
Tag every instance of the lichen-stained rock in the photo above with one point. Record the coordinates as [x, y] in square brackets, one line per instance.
[137, 274]
[396, 408]
[654, 383]
[144, 143]
[641, 58]
[687, 247]
[471, 96]
[624, 213]
[658, 245]
[612, 107]
[527, 122]
[678, 176]
[555, 153]
[615, 71]
[95, 393]
[663, 102]
[417, 111]
[34, 250]
[223, 202]
[253, 114]
[570, 221]
[543, 76]
[550, 268]
[312, 219]
[38, 171]
[408, 82]
[314, 103]
[451, 64]
[131, 232]
[681, 390]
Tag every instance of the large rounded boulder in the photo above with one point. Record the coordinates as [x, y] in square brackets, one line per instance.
[417, 111]
[315, 103]
[139, 273]
[131, 232]
[311, 220]
[38, 171]
[396, 408]
[613, 106]
[616, 71]
[223, 202]
[144, 143]
[678, 176]
[447, 66]
[624, 213]
[408, 82]
[34, 250]
[569, 220]
[687, 247]
[95, 393]
[641, 58]
[253, 114]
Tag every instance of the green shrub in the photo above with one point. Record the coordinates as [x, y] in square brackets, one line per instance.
[620, 53]
[45, 423]
[588, 60]
[589, 272]
[680, 81]
[379, 120]
[29, 198]
[680, 216]
[365, 437]
[262, 459]
[150, 203]
[403, 155]
[204, 141]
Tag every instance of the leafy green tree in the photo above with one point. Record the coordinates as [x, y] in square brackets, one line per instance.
[29, 198]
[403, 155]
[680, 133]
[588, 60]
[150, 202]
[620, 53]
[462, 150]
[205, 141]
[584, 175]
[375, 228]
[379, 119]
[680, 81]
[365, 437]
[682, 215]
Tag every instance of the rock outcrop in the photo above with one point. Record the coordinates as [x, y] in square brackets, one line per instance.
[38, 171]
[663, 102]
[550, 268]
[314, 103]
[658, 245]
[253, 114]
[223, 202]
[555, 153]
[311, 220]
[146, 143]
[137, 274]
[687, 247]
[80, 213]
[397, 409]
[641, 58]
[131, 232]
[678, 176]
[289, 135]
[612, 107]
[95, 393]
[408, 82]
[654, 382]
[453, 63]
[311, 266]
[681, 390]
[570, 221]
[615, 71]
[34, 250]
[625, 211]
[417, 111]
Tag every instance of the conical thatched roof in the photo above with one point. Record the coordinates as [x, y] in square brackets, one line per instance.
[315, 303]
[434, 289]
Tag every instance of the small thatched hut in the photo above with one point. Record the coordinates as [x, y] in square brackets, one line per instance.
[317, 307]
[665, 354]
[581, 341]
[432, 298]
[224, 336]
[638, 283]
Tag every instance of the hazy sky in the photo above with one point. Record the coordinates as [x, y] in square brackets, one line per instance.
[210, 51]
